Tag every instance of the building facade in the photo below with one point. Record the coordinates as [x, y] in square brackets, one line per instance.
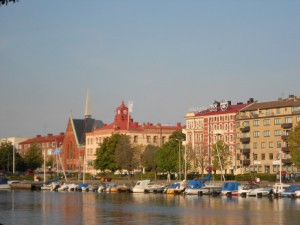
[47, 144]
[140, 135]
[262, 131]
[205, 127]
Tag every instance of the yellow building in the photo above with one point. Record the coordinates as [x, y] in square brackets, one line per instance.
[262, 130]
[140, 135]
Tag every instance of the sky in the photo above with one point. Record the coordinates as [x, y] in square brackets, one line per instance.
[167, 56]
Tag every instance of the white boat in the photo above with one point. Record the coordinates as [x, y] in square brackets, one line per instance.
[141, 186]
[244, 189]
[278, 188]
[4, 183]
[263, 191]
[63, 187]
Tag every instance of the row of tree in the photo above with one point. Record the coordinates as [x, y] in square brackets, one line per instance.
[117, 153]
[32, 160]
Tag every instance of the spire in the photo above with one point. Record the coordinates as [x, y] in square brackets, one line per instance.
[87, 113]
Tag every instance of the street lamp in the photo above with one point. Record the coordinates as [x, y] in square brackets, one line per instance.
[179, 140]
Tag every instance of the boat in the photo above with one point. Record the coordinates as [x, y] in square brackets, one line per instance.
[193, 187]
[296, 194]
[230, 188]
[278, 188]
[141, 186]
[111, 187]
[289, 191]
[244, 189]
[261, 191]
[4, 183]
[176, 188]
[210, 189]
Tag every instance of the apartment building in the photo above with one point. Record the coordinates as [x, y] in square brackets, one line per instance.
[140, 134]
[210, 124]
[262, 131]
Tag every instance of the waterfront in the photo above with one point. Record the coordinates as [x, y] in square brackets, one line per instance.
[34, 207]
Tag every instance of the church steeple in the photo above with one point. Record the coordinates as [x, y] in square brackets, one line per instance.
[87, 113]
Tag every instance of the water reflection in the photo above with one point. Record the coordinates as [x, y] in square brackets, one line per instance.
[26, 207]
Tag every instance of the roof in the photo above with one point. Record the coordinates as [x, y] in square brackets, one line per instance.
[41, 139]
[230, 109]
[281, 103]
[81, 126]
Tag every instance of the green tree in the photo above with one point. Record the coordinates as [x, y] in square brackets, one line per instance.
[124, 153]
[221, 154]
[148, 158]
[167, 157]
[105, 155]
[294, 145]
[6, 158]
[34, 157]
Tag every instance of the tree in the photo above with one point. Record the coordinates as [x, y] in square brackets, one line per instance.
[6, 158]
[34, 158]
[5, 2]
[105, 154]
[202, 159]
[221, 154]
[167, 157]
[148, 158]
[124, 153]
[294, 145]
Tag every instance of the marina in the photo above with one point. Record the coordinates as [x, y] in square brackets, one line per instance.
[47, 207]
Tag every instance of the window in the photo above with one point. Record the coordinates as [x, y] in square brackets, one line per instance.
[277, 121]
[288, 120]
[155, 139]
[263, 145]
[255, 145]
[254, 156]
[148, 139]
[266, 133]
[263, 156]
[278, 144]
[256, 123]
[295, 109]
[256, 134]
[278, 110]
[271, 144]
[277, 132]
[298, 119]
[266, 122]
[246, 124]
[135, 139]
[271, 156]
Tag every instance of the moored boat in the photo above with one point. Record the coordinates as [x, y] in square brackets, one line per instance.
[4, 183]
[230, 188]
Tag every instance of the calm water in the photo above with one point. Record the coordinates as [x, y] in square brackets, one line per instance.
[27, 207]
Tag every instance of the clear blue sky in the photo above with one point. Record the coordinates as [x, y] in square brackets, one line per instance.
[167, 56]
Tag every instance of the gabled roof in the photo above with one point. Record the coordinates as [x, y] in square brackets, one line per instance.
[81, 126]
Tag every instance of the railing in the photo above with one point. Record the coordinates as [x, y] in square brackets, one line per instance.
[286, 125]
[245, 151]
[245, 162]
[245, 139]
[245, 129]
[285, 150]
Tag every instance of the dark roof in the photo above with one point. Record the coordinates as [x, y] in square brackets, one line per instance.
[82, 126]
[273, 104]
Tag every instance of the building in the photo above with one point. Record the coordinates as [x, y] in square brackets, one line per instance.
[47, 144]
[140, 135]
[205, 127]
[262, 130]
[73, 148]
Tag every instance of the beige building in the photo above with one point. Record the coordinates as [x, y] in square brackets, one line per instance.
[262, 130]
[140, 135]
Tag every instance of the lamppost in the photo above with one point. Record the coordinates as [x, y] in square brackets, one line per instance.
[179, 140]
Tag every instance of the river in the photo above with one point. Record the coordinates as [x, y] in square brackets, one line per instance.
[38, 207]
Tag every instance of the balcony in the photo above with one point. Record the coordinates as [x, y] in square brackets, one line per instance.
[245, 129]
[245, 162]
[286, 125]
[287, 161]
[284, 137]
[245, 151]
[286, 150]
[245, 140]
